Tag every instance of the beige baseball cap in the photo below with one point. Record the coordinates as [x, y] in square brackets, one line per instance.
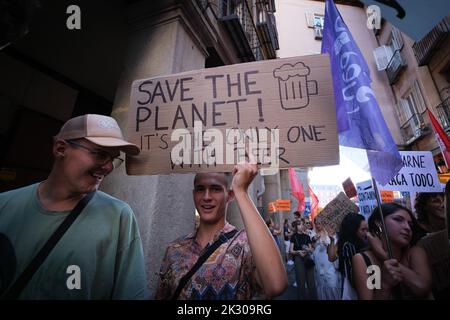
[101, 130]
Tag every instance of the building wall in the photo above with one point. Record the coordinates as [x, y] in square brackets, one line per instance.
[439, 67]
[430, 81]
[296, 39]
[92, 56]
[52, 73]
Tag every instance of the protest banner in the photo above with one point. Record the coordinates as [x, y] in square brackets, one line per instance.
[335, 211]
[366, 198]
[283, 205]
[272, 207]
[418, 174]
[387, 196]
[196, 121]
[349, 188]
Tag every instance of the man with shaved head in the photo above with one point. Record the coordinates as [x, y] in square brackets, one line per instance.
[245, 264]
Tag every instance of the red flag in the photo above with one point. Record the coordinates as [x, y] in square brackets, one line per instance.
[297, 190]
[441, 137]
[314, 203]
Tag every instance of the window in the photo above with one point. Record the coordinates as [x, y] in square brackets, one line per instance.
[396, 41]
[382, 57]
[315, 21]
[318, 27]
[410, 110]
[318, 21]
[384, 54]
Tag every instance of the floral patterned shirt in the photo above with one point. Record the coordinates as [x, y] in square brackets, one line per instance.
[228, 274]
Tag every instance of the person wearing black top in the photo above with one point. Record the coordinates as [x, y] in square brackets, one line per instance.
[301, 248]
[287, 241]
[352, 239]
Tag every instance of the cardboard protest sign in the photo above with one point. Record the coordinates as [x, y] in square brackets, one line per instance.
[198, 120]
[283, 205]
[335, 211]
[417, 175]
[349, 188]
[387, 196]
[272, 207]
[366, 198]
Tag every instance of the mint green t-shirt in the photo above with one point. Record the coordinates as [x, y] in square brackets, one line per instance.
[99, 257]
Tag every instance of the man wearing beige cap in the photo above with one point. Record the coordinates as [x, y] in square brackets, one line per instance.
[64, 239]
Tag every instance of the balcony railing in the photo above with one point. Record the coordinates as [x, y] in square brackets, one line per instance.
[394, 67]
[425, 48]
[318, 32]
[267, 29]
[443, 111]
[414, 128]
[236, 16]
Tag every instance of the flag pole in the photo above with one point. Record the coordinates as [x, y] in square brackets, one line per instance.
[396, 291]
[383, 225]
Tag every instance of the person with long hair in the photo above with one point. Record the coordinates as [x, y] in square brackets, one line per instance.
[430, 210]
[328, 282]
[404, 276]
[287, 233]
[352, 238]
[301, 248]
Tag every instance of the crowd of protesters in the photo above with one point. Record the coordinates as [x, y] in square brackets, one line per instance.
[395, 254]
[405, 258]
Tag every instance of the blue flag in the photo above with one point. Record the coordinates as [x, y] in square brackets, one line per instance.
[359, 119]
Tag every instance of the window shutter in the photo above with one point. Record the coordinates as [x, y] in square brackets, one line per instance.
[397, 39]
[309, 19]
[419, 97]
[401, 112]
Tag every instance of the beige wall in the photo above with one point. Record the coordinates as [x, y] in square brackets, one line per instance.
[296, 39]
[438, 63]
[428, 77]
[294, 36]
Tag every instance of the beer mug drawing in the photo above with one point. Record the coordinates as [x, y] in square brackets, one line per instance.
[294, 86]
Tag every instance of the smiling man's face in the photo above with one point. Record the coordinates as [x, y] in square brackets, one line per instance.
[78, 166]
[211, 196]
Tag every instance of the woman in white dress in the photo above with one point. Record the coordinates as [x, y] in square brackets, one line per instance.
[328, 281]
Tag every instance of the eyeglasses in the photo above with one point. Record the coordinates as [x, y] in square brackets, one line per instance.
[101, 157]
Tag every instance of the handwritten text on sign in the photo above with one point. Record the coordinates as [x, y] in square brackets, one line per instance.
[417, 175]
[335, 211]
[366, 197]
[195, 121]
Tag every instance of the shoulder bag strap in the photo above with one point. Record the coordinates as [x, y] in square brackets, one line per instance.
[16, 288]
[222, 239]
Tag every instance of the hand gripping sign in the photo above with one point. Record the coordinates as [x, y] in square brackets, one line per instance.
[281, 110]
